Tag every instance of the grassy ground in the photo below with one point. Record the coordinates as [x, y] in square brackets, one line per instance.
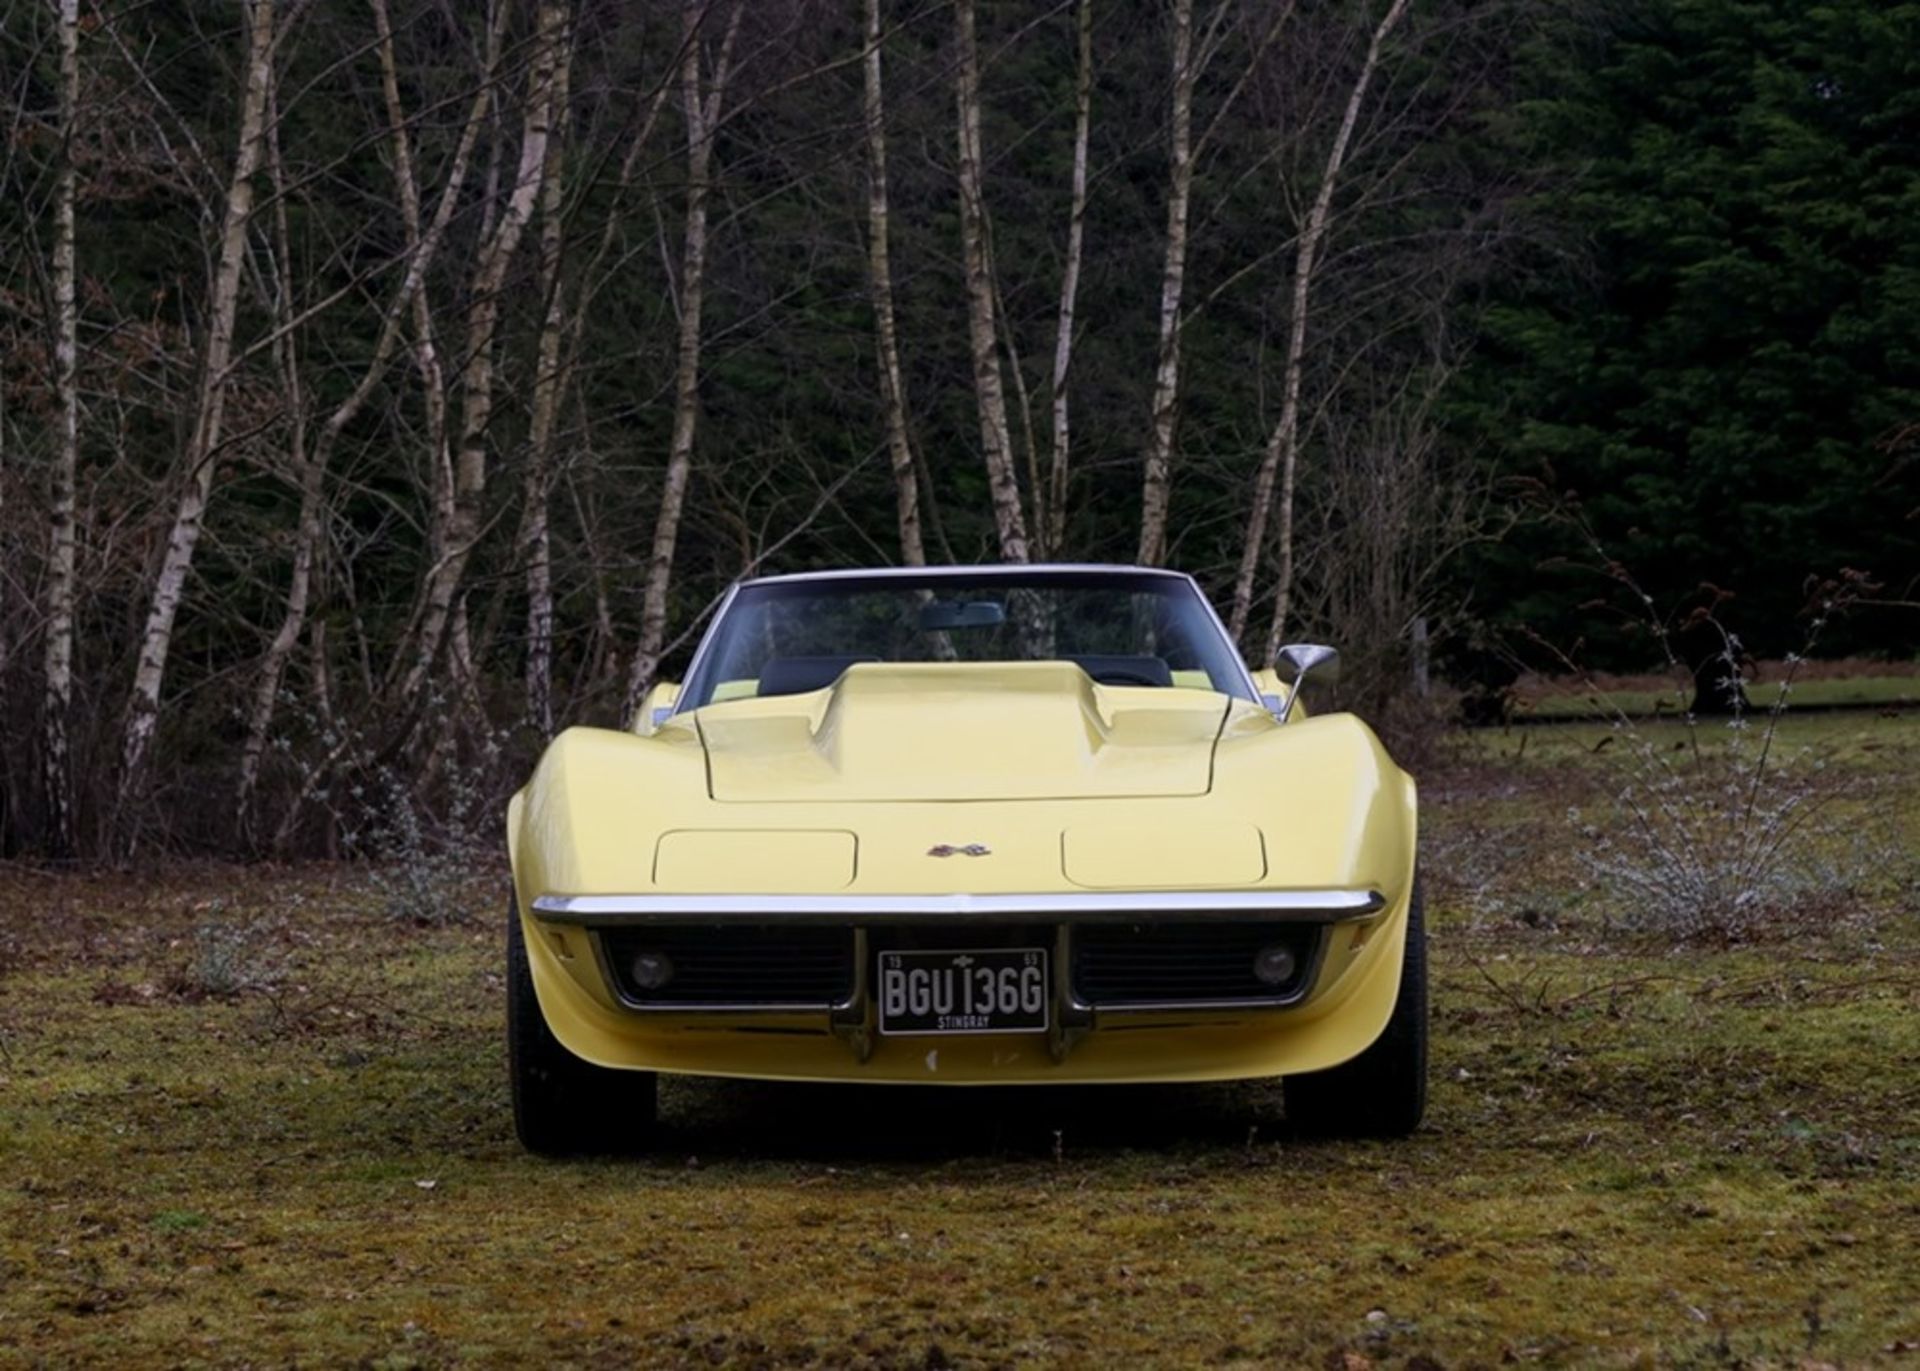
[1635, 1156]
[1844, 684]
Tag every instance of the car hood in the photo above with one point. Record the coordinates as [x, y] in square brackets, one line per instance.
[963, 731]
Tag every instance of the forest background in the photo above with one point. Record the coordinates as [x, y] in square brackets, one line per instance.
[384, 385]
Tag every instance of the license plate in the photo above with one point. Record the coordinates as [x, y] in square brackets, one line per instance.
[975, 990]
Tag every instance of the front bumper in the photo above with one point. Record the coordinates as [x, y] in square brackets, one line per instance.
[1090, 906]
[1339, 1005]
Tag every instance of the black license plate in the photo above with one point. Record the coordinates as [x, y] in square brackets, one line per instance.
[972, 990]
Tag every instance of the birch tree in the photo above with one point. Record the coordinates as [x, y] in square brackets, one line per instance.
[906, 486]
[563, 327]
[702, 101]
[1282, 450]
[427, 459]
[307, 470]
[549, 384]
[1052, 534]
[461, 518]
[426, 331]
[1191, 57]
[1156, 492]
[204, 441]
[312, 466]
[57, 776]
[996, 444]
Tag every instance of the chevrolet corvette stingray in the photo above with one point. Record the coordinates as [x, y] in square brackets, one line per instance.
[966, 826]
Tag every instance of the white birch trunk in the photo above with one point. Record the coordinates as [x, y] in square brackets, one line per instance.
[906, 487]
[56, 765]
[308, 469]
[549, 385]
[1036, 508]
[484, 112]
[469, 485]
[1054, 535]
[203, 444]
[701, 103]
[603, 653]
[602, 657]
[990, 400]
[1157, 490]
[1281, 455]
[422, 248]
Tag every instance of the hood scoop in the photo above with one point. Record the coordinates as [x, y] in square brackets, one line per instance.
[963, 731]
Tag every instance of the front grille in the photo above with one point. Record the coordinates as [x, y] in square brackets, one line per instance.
[1113, 966]
[757, 966]
[1186, 963]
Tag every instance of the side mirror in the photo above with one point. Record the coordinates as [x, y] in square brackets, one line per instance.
[1302, 658]
[655, 707]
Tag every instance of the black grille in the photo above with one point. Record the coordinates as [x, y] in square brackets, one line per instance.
[757, 965]
[1186, 963]
[1113, 965]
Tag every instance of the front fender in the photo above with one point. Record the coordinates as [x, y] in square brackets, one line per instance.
[586, 818]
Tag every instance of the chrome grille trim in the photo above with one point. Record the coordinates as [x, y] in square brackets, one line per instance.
[612, 911]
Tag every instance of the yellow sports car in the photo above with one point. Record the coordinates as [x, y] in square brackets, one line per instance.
[966, 826]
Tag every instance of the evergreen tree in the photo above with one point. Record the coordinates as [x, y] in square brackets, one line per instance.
[1722, 385]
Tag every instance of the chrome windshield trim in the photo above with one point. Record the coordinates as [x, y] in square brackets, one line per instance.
[970, 572]
[706, 642]
[1313, 906]
[1233, 648]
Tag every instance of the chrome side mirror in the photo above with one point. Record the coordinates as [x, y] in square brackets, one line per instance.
[1302, 658]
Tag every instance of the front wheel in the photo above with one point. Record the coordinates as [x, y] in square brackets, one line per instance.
[1382, 1093]
[563, 1106]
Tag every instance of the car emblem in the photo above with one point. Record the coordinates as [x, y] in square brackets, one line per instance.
[949, 850]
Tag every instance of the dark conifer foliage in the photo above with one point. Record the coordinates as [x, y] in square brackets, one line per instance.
[1729, 378]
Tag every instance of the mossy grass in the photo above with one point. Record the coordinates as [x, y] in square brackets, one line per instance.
[1850, 692]
[1636, 1153]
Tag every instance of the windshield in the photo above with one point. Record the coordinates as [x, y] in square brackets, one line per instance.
[1121, 628]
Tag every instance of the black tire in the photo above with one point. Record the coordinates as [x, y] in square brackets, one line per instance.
[1382, 1093]
[563, 1106]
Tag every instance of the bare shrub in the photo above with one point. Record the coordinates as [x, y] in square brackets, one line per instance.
[1493, 877]
[424, 823]
[1392, 511]
[1725, 834]
[228, 959]
[435, 856]
[13, 935]
[1723, 846]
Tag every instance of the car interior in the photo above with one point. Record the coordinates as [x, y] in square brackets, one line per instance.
[799, 675]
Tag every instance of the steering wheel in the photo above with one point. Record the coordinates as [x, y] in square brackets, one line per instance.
[1121, 676]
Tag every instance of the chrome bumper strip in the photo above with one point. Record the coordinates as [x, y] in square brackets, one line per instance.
[1307, 906]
